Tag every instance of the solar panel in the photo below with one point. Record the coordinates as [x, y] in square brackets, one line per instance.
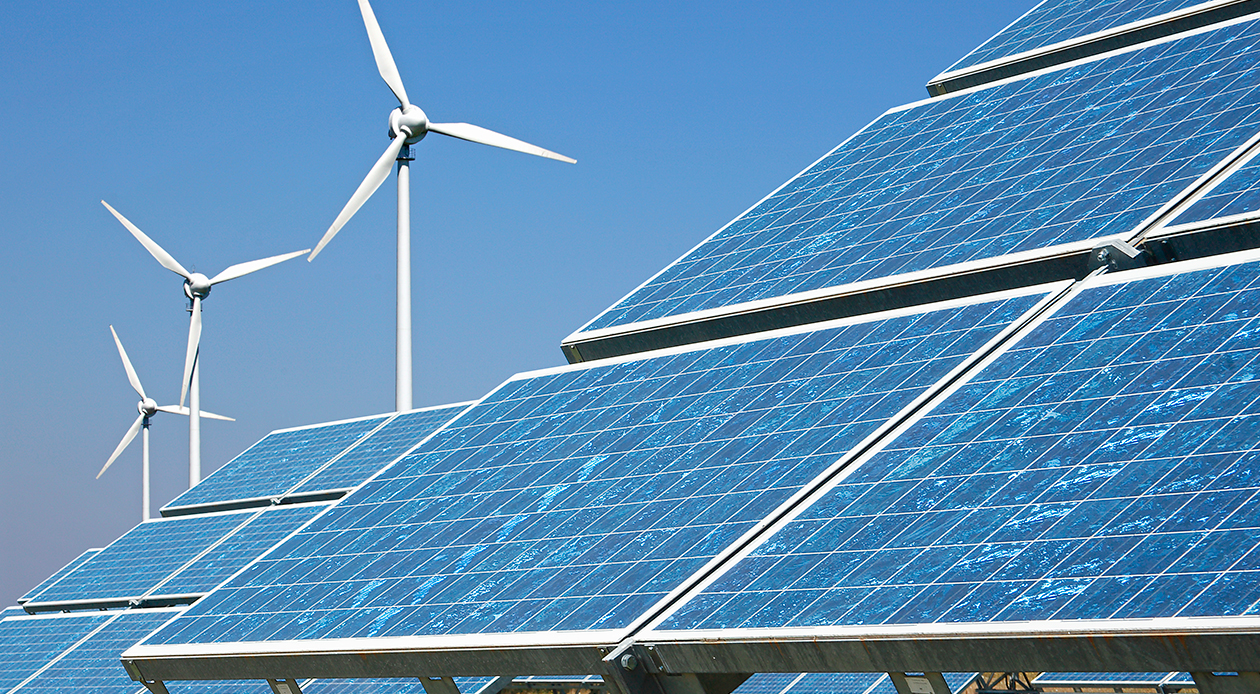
[29, 643]
[1151, 679]
[1237, 196]
[576, 498]
[92, 665]
[379, 449]
[834, 683]
[261, 533]
[1102, 467]
[1053, 161]
[411, 685]
[74, 564]
[1058, 21]
[140, 559]
[275, 464]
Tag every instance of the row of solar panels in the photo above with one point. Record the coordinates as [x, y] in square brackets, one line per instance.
[1033, 455]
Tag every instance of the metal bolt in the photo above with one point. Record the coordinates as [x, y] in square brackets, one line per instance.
[629, 662]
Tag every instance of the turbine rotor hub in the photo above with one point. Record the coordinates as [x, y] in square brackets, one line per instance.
[148, 407]
[197, 286]
[410, 123]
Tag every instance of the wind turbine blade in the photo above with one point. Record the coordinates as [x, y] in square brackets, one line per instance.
[131, 373]
[155, 250]
[378, 174]
[177, 409]
[241, 269]
[194, 342]
[127, 438]
[476, 133]
[384, 59]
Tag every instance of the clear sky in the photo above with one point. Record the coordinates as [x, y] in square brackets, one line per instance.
[232, 130]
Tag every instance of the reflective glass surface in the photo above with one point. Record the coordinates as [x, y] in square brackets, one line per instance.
[1148, 678]
[140, 559]
[578, 498]
[1238, 194]
[1067, 156]
[279, 461]
[57, 576]
[1104, 466]
[260, 534]
[28, 643]
[93, 665]
[1055, 21]
[380, 449]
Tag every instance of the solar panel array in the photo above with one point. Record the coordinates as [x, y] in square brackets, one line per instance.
[1150, 679]
[1070, 451]
[1054, 159]
[1059, 21]
[577, 498]
[74, 564]
[1100, 467]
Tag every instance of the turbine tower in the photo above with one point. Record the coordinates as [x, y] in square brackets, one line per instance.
[196, 288]
[147, 407]
[407, 126]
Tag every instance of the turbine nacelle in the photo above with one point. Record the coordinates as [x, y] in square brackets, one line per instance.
[410, 122]
[197, 286]
[147, 407]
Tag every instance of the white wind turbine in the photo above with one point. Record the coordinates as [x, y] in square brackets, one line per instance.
[147, 407]
[407, 126]
[196, 288]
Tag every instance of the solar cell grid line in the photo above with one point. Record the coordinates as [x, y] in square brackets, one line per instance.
[1099, 467]
[92, 664]
[74, 564]
[1234, 198]
[569, 502]
[277, 462]
[140, 559]
[385, 445]
[30, 643]
[1017, 170]
[1062, 22]
[263, 531]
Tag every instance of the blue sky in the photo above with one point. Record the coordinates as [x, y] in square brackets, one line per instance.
[231, 131]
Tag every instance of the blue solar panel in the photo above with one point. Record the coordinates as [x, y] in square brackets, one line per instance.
[1104, 466]
[261, 533]
[217, 687]
[768, 683]
[92, 666]
[1056, 21]
[279, 461]
[577, 498]
[1237, 195]
[836, 683]
[380, 449]
[74, 564]
[1058, 158]
[28, 643]
[139, 560]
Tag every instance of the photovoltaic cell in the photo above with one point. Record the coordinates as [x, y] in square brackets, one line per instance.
[834, 683]
[577, 498]
[28, 643]
[1056, 21]
[93, 665]
[74, 564]
[1104, 466]
[217, 687]
[140, 559]
[768, 683]
[380, 449]
[1062, 157]
[261, 533]
[1238, 194]
[279, 461]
